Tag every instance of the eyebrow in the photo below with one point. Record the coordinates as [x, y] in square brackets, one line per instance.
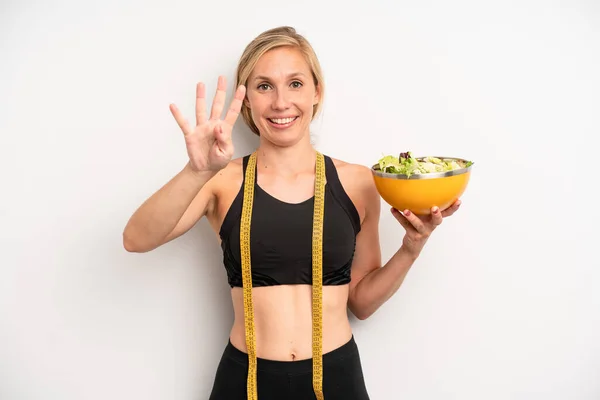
[266, 78]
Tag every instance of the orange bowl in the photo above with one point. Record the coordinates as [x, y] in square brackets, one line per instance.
[420, 192]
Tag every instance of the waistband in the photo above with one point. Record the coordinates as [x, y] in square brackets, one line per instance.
[347, 350]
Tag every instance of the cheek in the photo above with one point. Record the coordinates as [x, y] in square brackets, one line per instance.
[308, 105]
[310, 99]
[256, 106]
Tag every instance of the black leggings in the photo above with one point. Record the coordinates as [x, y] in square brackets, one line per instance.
[291, 380]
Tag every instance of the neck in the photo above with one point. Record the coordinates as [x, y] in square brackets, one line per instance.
[286, 161]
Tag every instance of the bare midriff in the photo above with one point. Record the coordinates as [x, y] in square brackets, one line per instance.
[283, 321]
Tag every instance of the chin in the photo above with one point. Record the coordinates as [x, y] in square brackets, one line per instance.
[283, 140]
[284, 137]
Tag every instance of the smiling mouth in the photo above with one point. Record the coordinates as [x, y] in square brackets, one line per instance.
[282, 122]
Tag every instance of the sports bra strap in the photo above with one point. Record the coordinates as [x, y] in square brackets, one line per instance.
[335, 185]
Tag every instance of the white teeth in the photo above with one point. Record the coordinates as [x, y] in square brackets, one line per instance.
[282, 121]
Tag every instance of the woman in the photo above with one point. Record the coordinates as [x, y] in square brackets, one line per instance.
[284, 214]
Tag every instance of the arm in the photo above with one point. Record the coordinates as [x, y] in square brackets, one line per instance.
[188, 196]
[372, 284]
[170, 212]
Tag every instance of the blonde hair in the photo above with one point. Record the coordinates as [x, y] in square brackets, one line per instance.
[269, 40]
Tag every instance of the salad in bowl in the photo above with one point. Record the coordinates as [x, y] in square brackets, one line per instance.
[419, 183]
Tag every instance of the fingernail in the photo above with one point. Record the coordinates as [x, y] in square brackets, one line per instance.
[435, 210]
[407, 212]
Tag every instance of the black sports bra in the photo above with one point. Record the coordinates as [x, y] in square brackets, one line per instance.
[281, 236]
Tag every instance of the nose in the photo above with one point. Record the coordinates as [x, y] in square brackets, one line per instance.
[280, 100]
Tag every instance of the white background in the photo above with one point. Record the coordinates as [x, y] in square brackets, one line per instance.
[503, 304]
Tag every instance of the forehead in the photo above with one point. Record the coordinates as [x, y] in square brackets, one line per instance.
[281, 62]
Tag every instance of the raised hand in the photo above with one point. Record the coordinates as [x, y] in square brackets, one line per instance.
[208, 143]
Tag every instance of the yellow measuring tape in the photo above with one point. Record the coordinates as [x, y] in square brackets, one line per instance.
[317, 276]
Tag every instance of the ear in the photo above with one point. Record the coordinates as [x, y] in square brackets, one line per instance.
[317, 95]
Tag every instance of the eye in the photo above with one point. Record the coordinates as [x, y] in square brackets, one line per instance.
[263, 86]
[296, 84]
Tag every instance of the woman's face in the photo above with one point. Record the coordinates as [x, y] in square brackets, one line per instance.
[281, 94]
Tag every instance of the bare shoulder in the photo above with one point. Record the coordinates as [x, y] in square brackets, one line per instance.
[229, 176]
[354, 174]
[224, 187]
[228, 171]
[357, 181]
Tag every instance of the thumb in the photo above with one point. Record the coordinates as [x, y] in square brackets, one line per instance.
[223, 139]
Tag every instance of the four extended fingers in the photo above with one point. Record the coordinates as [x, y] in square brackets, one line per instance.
[217, 106]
